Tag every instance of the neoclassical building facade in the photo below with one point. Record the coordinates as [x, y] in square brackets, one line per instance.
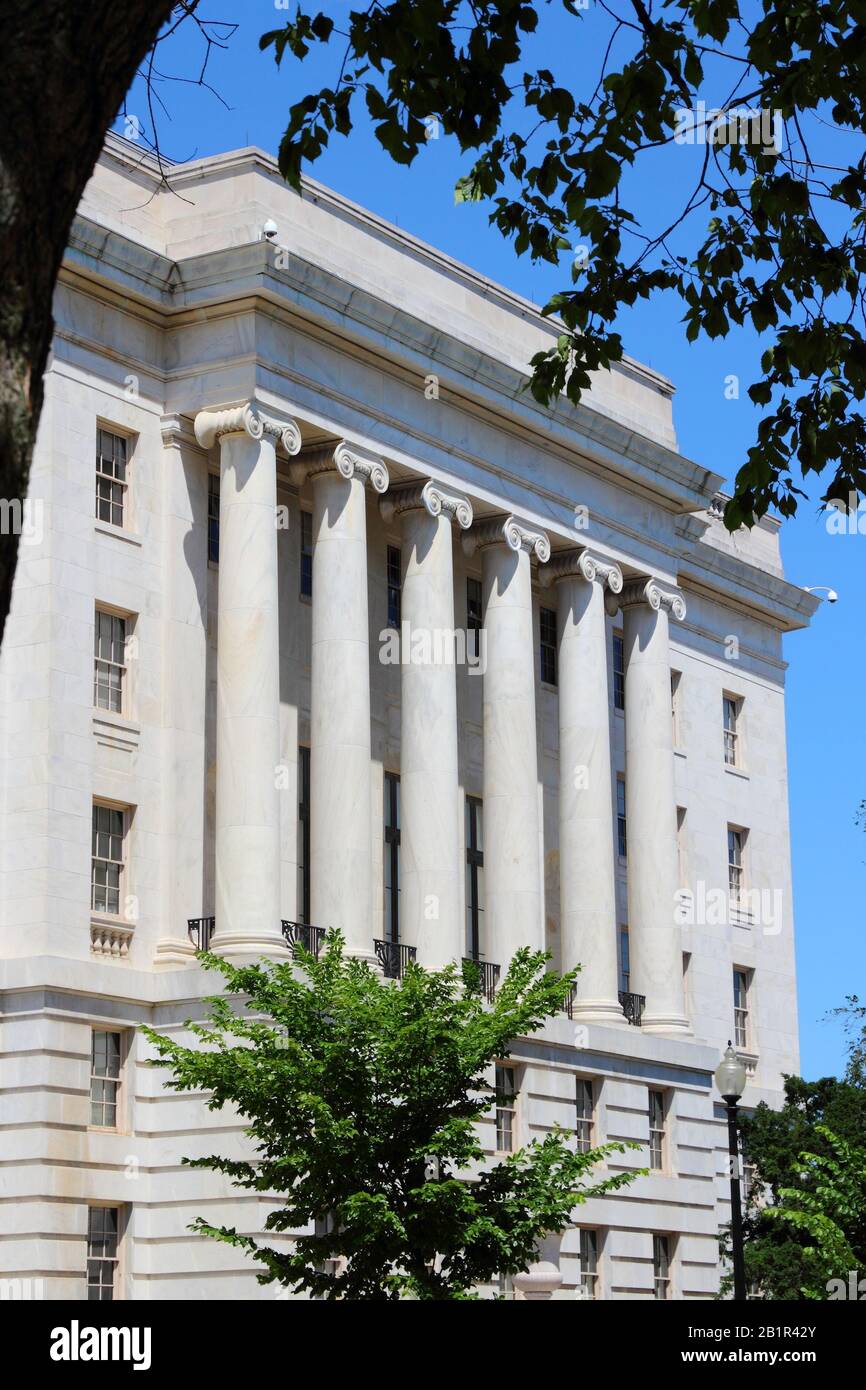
[320, 620]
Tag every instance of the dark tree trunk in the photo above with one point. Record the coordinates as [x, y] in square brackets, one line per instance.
[66, 69]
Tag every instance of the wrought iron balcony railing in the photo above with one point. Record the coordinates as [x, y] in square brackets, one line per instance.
[632, 1006]
[489, 975]
[201, 930]
[393, 957]
[302, 934]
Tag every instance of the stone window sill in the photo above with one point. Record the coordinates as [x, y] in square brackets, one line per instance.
[120, 533]
[114, 731]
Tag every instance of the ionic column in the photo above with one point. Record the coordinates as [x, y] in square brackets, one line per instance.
[247, 902]
[586, 857]
[430, 832]
[340, 749]
[655, 948]
[512, 871]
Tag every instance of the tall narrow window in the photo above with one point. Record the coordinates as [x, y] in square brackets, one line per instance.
[624, 968]
[736, 843]
[506, 1100]
[306, 554]
[111, 479]
[618, 672]
[731, 715]
[661, 1266]
[474, 617]
[547, 628]
[102, 1235]
[395, 585]
[109, 661]
[584, 1105]
[588, 1263]
[621, 836]
[657, 1129]
[304, 835]
[213, 518]
[474, 876]
[682, 864]
[675, 707]
[741, 1007]
[104, 1078]
[392, 857]
[107, 860]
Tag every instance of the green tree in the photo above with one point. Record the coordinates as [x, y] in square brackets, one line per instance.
[815, 1118]
[351, 1088]
[780, 237]
[828, 1209]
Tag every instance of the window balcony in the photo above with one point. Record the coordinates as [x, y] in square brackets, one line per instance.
[632, 1006]
[489, 973]
[393, 958]
[201, 930]
[302, 935]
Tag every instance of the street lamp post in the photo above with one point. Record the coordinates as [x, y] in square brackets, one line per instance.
[731, 1081]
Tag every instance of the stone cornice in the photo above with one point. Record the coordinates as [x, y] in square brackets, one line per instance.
[652, 592]
[349, 460]
[585, 564]
[432, 497]
[507, 530]
[212, 425]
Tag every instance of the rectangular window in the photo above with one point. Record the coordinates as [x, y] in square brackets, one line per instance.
[306, 555]
[109, 661]
[661, 1266]
[657, 1129]
[213, 518]
[736, 845]
[474, 876]
[731, 716]
[107, 860]
[304, 835]
[506, 1100]
[395, 585]
[103, 1225]
[624, 970]
[675, 706]
[547, 627]
[474, 617]
[682, 863]
[621, 837]
[392, 857]
[584, 1105]
[618, 672]
[111, 479]
[741, 1008]
[104, 1078]
[588, 1263]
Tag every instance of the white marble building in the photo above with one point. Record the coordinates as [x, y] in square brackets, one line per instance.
[626, 740]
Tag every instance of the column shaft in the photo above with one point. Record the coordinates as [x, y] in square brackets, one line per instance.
[340, 743]
[586, 858]
[430, 858]
[512, 872]
[655, 945]
[247, 904]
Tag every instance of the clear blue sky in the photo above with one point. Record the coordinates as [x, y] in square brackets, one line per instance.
[827, 755]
